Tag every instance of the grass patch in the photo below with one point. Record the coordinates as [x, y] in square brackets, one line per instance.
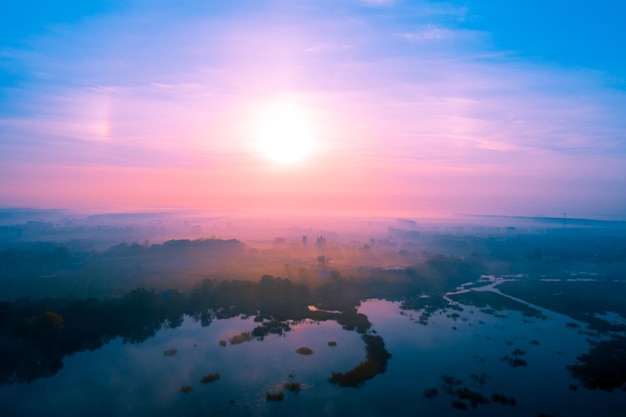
[480, 378]
[518, 352]
[293, 386]
[241, 338]
[514, 362]
[275, 396]
[304, 350]
[489, 302]
[210, 378]
[603, 367]
[459, 405]
[503, 399]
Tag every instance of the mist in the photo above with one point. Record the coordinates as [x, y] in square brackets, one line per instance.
[96, 284]
[56, 253]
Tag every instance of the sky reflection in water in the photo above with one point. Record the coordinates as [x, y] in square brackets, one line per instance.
[138, 379]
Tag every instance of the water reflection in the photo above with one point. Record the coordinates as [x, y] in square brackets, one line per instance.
[243, 348]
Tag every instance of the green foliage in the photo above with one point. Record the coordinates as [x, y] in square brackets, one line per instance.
[241, 338]
[460, 405]
[578, 300]
[496, 301]
[464, 397]
[451, 381]
[429, 305]
[272, 327]
[514, 362]
[503, 399]
[210, 378]
[374, 364]
[304, 351]
[473, 397]
[293, 386]
[275, 396]
[351, 320]
[604, 366]
[480, 378]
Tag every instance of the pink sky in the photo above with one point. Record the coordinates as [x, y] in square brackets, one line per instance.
[406, 118]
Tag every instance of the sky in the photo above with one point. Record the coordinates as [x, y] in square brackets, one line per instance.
[355, 106]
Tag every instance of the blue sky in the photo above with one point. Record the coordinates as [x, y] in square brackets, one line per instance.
[484, 107]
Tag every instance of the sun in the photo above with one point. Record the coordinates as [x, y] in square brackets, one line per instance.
[284, 133]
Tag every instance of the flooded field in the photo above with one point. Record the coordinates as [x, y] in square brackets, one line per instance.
[475, 354]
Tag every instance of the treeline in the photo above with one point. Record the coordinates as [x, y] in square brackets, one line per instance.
[35, 257]
[42, 255]
[53, 269]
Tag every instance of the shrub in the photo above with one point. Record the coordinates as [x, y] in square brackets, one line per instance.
[304, 351]
[275, 396]
[210, 378]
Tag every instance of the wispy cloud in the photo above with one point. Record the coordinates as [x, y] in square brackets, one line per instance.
[397, 97]
[429, 33]
[318, 48]
[379, 2]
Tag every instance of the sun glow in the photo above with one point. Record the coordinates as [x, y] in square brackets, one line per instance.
[284, 133]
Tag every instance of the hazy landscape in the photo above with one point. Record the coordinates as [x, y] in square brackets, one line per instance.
[523, 316]
[312, 208]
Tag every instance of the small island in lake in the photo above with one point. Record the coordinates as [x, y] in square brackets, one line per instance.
[210, 378]
[304, 351]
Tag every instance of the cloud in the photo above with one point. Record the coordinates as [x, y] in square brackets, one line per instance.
[491, 104]
[399, 98]
[379, 2]
[429, 33]
[327, 47]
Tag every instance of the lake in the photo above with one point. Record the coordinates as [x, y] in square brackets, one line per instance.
[457, 360]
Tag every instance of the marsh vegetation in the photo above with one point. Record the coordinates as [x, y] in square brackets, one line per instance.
[275, 396]
[293, 386]
[210, 378]
[468, 290]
